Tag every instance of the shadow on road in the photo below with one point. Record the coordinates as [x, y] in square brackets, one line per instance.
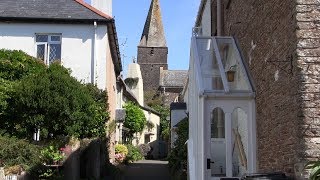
[147, 170]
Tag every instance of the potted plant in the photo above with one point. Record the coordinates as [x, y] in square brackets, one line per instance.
[231, 72]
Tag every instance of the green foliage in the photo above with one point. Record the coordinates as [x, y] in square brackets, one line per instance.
[14, 65]
[314, 166]
[6, 88]
[134, 154]
[178, 155]
[135, 120]
[164, 123]
[121, 149]
[41, 171]
[18, 152]
[49, 98]
[51, 155]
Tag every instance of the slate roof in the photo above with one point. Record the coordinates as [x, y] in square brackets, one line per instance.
[67, 10]
[153, 33]
[173, 78]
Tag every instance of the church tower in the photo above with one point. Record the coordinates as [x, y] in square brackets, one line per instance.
[152, 49]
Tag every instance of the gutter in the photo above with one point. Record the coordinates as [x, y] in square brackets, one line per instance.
[200, 12]
[114, 46]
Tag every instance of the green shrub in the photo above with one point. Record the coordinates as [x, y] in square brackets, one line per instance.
[49, 98]
[51, 155]
[14, 65]
[18, 152]
[178, 157]
[134, 154]
[121, 149]
[135, 119]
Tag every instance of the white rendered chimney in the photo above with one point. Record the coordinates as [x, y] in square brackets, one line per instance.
[137, 90]
[103, 5]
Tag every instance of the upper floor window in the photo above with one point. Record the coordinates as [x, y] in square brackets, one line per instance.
[48, 47]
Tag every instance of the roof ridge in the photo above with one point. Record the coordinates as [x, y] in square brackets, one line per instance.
[93, 9]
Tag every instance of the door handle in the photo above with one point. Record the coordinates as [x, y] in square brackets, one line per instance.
[209, 162]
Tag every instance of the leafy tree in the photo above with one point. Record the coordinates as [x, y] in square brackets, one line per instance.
[14, 65]
[49, 98]
[135, 120]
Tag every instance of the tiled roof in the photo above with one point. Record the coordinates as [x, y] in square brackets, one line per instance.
[173, 78]
[50, 9]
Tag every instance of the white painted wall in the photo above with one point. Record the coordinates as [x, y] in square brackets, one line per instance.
[137, 89]
[103, 5]
[76, 46]
[154, 139]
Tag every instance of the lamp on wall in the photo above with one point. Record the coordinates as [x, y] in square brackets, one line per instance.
[231, 72]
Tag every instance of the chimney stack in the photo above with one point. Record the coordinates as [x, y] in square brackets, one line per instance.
[104, 6]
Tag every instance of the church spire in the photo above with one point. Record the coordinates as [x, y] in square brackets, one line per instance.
[153, 33]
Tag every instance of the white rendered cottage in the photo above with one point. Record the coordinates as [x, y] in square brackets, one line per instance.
[82, 37]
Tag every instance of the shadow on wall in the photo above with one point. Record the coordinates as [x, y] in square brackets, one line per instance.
[87, 160]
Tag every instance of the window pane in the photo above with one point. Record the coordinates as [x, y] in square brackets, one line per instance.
[41, 51]
[217, 124]
[55, 38]
[54, 52]
[41, 38]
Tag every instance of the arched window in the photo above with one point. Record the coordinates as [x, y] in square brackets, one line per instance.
[217, 123]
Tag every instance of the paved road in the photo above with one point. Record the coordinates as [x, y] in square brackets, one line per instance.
[147, 170]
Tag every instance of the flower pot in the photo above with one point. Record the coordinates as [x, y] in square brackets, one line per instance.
[230, 76]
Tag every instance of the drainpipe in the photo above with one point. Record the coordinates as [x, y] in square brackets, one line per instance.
[94, 59]
[219, 20]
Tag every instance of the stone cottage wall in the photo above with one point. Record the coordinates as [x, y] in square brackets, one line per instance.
[266, 31]
[308, 54]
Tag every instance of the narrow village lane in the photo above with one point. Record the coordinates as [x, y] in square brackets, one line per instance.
[147, 170]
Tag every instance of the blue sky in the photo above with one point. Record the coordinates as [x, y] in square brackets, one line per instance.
[178, 19]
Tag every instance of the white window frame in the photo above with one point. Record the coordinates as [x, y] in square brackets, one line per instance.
[47, 44]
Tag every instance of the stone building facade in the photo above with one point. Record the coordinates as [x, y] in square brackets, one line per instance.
[280, 41]
[152, 58]
[152, 49]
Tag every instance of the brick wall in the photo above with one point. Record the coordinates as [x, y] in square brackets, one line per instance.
[266, 31]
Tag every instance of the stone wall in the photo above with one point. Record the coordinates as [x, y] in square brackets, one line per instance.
[150, 60]
[308, 59]
[266, 31]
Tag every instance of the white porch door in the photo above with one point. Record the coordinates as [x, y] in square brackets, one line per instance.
[228, 143]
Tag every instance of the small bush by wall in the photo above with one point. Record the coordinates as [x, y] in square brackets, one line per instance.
[134, 154]
[122, 149]
[18, 152]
